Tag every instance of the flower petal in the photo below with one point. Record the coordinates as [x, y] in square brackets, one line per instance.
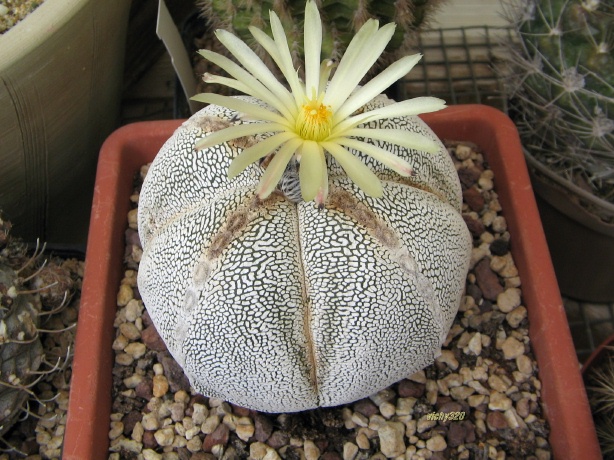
[273, 173]
[400, 137]
[356, 170]
[385, 157]
[258, 90]
[313, 48]
[241, 106]
[234, 132]
[254, 64]
[362, 52]
[310, 170]
[257, 151]
[285, 58]
[377, 85]
[408, 107]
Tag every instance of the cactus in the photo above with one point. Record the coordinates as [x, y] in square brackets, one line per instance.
[28, 292]
[342, 20]
[563, 89]
[21, 352]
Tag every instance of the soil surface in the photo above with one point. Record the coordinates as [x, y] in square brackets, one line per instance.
[13, 11]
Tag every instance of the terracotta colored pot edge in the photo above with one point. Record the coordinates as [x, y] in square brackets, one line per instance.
[565, 401]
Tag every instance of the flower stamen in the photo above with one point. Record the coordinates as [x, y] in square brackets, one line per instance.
[314, 121]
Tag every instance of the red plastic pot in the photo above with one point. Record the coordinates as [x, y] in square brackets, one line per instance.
[563, 395]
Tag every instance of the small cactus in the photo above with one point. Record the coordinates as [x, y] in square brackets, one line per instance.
[563, 88]
[27, 293]
[21, 352]
[342, 19]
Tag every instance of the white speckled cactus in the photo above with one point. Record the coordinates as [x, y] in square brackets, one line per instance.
[278, 304]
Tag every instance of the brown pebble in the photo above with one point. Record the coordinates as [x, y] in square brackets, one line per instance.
[240, 411]
[487, 280]
[496, 421]
[522, 407]
[475, 226]
[144, 389]
[278, 439]
[474, 199]
[409, 389]
[365, 407]
[219, 436]
[456, 434]
[174, 373]
[132, 238]
[149, 440]
[152, 339]
[451, 406]
[131, 419]
[262, 427]
[469, 430]
[469, 176]
[330, 456]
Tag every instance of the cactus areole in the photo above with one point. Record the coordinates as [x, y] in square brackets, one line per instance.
[303, 247]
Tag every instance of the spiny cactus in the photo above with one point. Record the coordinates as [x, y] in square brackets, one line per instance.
[342, 19]
[28, 292]
[563, 88]
[21, 352]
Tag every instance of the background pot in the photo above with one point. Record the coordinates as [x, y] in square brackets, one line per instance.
[579, 228]
[563, 395]
[61, 72]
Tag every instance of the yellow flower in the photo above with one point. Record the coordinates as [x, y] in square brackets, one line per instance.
[315, 116]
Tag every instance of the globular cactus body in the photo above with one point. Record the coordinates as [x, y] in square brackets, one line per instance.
[563, 88]
[279, 306]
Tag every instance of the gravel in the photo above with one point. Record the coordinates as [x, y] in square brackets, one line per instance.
[486, 377]
[40, 433]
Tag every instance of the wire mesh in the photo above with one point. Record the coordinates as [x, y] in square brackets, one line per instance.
[459, 65]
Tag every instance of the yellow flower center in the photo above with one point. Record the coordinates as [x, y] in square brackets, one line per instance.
[314, 121]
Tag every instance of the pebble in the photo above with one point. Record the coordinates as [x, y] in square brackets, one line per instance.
[524, 364]
[516, 316]
[311, 450]
[136, 350]
[245, 428]
[475, 344]
[391, 439]
[436, 443]
[165, 436]
[218, 437]
[362, 441]
[508, 300]
[349, 451]
[405, 406]
[124, 295]
[498, 401]
[446, 357]
[262, 427]
[487, 280]
[160, 386]
[512, 348]
[152, 339]
[130, 331]
[496, 421]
